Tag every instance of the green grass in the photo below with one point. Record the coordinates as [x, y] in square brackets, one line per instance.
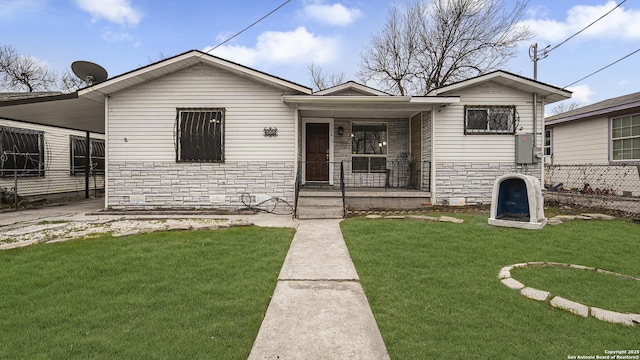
[435, 293]
[586, 287]
[178, 295]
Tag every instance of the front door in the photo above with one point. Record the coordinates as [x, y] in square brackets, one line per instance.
[317, 152]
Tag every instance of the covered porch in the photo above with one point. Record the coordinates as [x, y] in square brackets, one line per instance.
[368, 147]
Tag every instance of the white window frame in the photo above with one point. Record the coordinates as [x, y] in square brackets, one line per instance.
[369, 157]
[625, 137]
[548, 138]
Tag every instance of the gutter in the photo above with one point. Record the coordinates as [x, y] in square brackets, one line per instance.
[306, 99]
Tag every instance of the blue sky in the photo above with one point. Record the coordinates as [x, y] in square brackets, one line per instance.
[122, 35]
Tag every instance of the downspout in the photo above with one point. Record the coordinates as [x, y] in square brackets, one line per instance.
[535, 129]
[296, 152]
[544, 134]
[106, 152]
[432, 180]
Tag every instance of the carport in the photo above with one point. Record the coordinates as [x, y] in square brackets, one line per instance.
[67, 111]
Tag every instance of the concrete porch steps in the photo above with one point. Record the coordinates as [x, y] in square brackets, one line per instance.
[320, 204]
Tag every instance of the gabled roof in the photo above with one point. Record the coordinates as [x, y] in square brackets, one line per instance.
[353, 88]
[181, 61]
[549, 92]
[619, 103]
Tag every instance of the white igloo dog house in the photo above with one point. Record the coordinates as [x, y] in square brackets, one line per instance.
[517, 202]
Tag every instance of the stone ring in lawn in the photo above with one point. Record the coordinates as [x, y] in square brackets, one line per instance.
[565, 304]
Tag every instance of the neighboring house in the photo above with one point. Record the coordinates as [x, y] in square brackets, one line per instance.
[198, 131]
[45, 160]
[607, 132]
[596, 147]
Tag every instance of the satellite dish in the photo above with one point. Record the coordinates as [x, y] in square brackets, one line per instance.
[89, 72]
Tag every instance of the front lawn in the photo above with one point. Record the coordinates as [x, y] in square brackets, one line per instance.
[177, 295]
[435, 292]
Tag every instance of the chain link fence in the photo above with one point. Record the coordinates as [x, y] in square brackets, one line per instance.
[21, 188]
[612, 187]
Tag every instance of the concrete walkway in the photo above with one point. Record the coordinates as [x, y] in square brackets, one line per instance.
[319, 309]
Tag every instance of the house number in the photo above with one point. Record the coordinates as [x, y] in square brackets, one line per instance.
[270, 131]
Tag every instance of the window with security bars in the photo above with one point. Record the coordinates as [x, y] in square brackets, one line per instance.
[625, 138]
[490, 120]
[200, 135]
[21, 152]
[78, 145]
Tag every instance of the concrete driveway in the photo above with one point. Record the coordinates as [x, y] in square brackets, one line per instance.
[51, 212]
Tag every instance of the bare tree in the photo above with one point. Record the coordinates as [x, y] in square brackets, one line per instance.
[159, 58]
[68, 82]
[18, 72]
[432, 44]
[564, 107]
[322, 80]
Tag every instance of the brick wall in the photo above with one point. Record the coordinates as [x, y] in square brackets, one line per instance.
[192, 185]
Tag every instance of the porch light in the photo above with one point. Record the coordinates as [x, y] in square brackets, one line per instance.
[341, 131]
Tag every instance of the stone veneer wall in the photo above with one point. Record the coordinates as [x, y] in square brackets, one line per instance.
[474, 180]
[397, 140]
[191, 185]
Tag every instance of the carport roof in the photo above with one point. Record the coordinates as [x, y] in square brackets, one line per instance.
[60, 110]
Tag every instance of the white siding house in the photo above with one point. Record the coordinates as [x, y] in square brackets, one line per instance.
[596, 148]
[149, 135]
[197, 131]
[600, 133]
[40, 159]
[465, 164]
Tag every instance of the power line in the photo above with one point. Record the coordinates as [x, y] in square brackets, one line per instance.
[546, 52]
[250, 26]
[236, 34]
[599, 70]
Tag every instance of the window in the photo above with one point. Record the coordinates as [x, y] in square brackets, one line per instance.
[78, 145]
[369, 147]
[21, 152]
[547, 141]
[490, 120]
[625, 138]
[200, 135]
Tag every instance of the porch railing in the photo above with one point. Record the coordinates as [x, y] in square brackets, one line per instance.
[298, 184]
[342, 190]
[392, 174]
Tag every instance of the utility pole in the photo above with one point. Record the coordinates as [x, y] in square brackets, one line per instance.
[533, 54]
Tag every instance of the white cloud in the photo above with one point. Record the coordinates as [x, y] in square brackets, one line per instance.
[624, 82]
[119, 36]
[581, 93]
[332, 14]
[620, 24]
[117, 11]
[272, 47]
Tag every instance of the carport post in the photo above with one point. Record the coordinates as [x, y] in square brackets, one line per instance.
[87, 165]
